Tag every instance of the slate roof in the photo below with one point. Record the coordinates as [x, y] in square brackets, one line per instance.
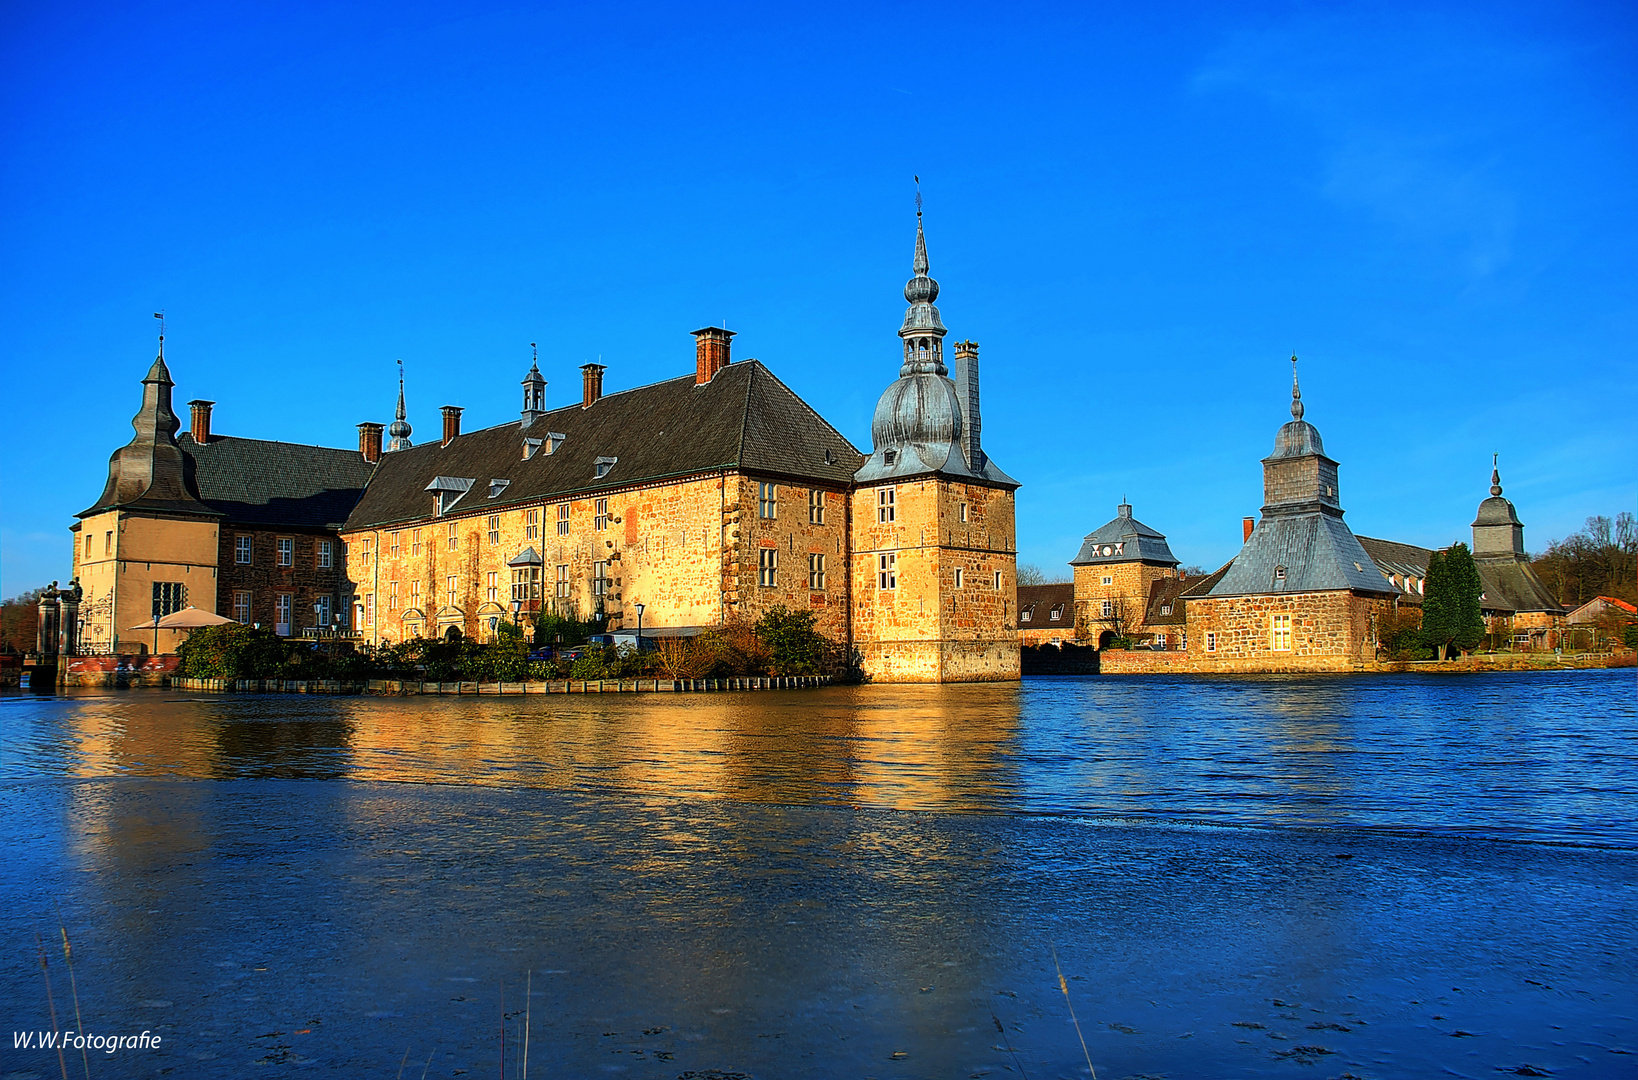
[1511, 585]
[1040, 600]
[1203, 586]
[1166, 593]
[1402, 560]
[744, 419]
[1127, 540]
[1317, 551]
[261, 482]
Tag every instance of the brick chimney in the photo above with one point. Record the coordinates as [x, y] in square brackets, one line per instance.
[452, 423]
[201, 420]
[591, 384]
[369, 441]
[1246, 525]
[710, 353]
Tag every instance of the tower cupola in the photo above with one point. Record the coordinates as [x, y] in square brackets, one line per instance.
[398, 432]
[1497, 529]
[534, 391]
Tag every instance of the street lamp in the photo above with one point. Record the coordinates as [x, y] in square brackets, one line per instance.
[639, 608]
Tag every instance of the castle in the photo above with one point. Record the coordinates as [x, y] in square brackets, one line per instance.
[699, 500]
[1303, 593]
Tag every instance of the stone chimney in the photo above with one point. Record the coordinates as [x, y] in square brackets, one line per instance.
[201, 420]
[1246, 525]
[591, 384]
[369, 441]
[710, 353]
[452, 423]
[966, 384]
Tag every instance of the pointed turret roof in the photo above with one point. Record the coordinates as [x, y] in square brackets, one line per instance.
[399, 430]
[1125, 539]
[151, 472]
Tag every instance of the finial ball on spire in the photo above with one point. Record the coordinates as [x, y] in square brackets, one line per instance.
[1296, 391]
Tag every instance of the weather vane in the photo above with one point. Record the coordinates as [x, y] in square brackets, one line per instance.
[536, 350]
[160, 315]
[918, 195]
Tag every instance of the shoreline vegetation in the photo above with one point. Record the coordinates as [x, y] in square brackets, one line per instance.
[782, 644]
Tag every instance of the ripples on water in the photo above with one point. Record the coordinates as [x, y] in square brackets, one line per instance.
[1546, 757]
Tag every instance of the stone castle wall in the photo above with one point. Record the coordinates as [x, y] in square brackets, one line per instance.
[1128, 591]
[1329, 631]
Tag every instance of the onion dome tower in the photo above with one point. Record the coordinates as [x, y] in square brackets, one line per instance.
[923, 423]
[398, 431]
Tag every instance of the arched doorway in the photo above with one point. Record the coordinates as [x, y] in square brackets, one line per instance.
[1104, 639]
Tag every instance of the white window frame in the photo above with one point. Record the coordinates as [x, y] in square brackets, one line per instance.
[600, 578]
[283, 609]
[886, 508]
[816, 572]
[1279, 632]
[1106, 609]
[531, 524]
[244, 549]
[1107, 579]
[454, 536]
[494, 530]
[242, 606]
[286, 547]
[563, 582]
[452, 585]
[600, 515]
[816, 506]
[1211, 641]
[767, 567]
[563, 519]
[887, 571]
[392, 596]
[767, 501]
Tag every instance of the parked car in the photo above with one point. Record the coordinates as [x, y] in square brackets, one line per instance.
[542, 653]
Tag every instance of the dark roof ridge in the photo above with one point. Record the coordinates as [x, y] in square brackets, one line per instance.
[783, 385]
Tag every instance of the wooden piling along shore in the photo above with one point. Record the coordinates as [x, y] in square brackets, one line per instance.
[402, 688]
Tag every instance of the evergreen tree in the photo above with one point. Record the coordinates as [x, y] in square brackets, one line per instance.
[1450, 602]
[1438, 620]
[1467, 589]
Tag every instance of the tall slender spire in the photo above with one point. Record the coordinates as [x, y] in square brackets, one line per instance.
[1296, 391]
[1495, 474]
[399, 429]
[923, 332]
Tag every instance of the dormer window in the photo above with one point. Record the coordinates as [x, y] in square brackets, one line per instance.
[889, 456]
[1027, 614]
[601, 467]
[1056, 613]
[496, 487]
[530, 448]
[1279, 577]
[1165, 609]
[447, 491]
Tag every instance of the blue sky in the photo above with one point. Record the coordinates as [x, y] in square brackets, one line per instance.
[1139, 211]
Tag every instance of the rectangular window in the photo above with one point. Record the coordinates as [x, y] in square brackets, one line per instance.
[281, 614]
[326, 556]
[767, 566]
[963, 513]
[1108, 580]
[454, 538]
[415, 541]
[960, 577]
[1280, 633]
[392, 539]
[600, 514]
[562, 581]
[241, 550]
[600, 578]
[87, 545]
[887, 571]
[452, 583]
[998, 580]
[491, 591]
[563, 520]
[321, 612]
[526, 584]
[1055, 614]
[1211, 641]
[369, 610]
[287, 551]
[766, 500]
[816, 572]
[108, 542]
[169, 597]
[415, 593]
[531, 525]
[816, 507]
[1183, 641]
[241, 608]
[392, 596]
[884, 505]
[494, 530]
[1106, 609]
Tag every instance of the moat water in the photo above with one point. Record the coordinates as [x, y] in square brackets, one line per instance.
[1371, 877]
